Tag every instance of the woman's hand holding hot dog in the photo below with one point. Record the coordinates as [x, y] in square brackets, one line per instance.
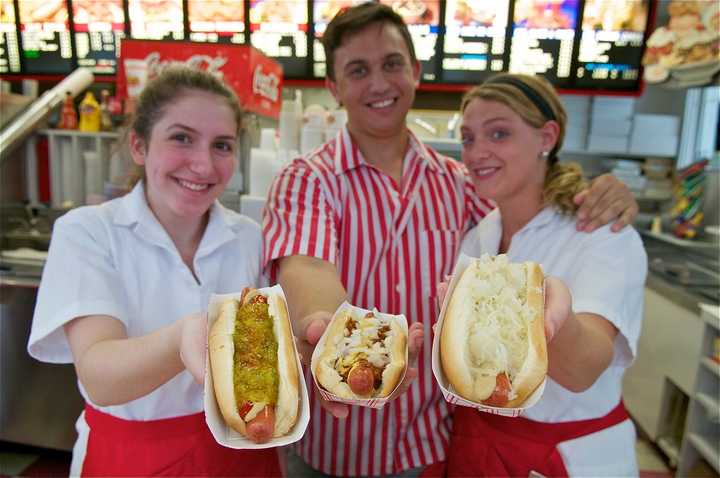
[193, 344]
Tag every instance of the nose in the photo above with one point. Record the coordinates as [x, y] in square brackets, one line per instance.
[201, 161]
[378, 81]
[474, 152]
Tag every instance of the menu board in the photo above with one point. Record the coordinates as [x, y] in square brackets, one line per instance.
[99, 26]
[423, 20]
[217, 21]
[156, 19]
[323, 12]
[543, 38]
[611, 43]
[45, 36]
[9, 46]
[279, 28]
[475, 37]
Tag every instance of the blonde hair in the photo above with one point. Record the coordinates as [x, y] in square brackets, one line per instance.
[562, 181]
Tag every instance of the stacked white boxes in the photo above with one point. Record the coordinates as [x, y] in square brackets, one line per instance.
[656, 135]
[610, 124]
[578, 114]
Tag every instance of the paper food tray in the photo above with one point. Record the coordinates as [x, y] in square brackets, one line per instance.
[365, 402]
[222, 433]
[462, 263]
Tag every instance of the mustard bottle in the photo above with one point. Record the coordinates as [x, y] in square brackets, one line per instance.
[89, 113]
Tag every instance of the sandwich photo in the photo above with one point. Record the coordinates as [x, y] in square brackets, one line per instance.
[492, 342]
[254, 366]
[363, 355]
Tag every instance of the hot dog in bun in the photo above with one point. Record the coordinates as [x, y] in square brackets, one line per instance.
[492, 343]
[253, 366]
[363, 355]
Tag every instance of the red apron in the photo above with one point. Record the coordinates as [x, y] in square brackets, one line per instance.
[483, 444]
[181, 446]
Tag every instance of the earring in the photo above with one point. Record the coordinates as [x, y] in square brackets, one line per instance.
[545, 155]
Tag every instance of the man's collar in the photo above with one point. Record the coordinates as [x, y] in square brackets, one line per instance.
[348, 155]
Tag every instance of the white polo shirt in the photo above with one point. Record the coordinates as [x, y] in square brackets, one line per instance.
[605, 273]
[116, 259]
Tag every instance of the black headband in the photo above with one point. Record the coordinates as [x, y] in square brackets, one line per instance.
[534, 97]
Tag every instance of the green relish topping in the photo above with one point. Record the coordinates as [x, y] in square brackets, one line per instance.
[256, 372]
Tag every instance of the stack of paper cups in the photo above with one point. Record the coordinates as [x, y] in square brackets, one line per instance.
[263, 168]
[289, 125]
[312, 135]
[93, 178]
[267, 139]
[335, 123]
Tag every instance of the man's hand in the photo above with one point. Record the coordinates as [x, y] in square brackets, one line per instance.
[416, 335]
[193, 344]
[607, 199]
[558, 306]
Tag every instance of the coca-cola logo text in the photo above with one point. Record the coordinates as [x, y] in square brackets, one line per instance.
[266, 85]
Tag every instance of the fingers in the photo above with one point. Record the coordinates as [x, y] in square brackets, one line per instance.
[416, 336]
[558, 306]
[606, 200]
[410, 375]
[336, 409]
[441, 290]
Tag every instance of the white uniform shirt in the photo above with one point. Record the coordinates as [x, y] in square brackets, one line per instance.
[116, 259]
[605, 272]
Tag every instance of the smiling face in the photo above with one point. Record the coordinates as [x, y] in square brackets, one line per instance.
[503, 152]
[189, 156]
[375, 79]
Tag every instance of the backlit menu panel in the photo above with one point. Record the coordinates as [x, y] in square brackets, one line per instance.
[45, 36]
[611, 43]
[220, 21]
[99, 26]
[323, 12]
[543, 37]
[156, 19]
[474, 40]
[9, 45]
[279, 28]
[423, 19]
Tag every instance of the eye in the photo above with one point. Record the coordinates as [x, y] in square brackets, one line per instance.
[183, 138]
[357, 72]
[225, 146]
[466, 141]
[499, 134]
[394, 64]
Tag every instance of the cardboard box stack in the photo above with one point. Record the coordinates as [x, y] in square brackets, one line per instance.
[578, 114]
[655, 135]
[610, 124]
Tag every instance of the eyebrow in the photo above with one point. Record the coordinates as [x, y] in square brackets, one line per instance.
[364, 62]
[192, 130]
[487, 122]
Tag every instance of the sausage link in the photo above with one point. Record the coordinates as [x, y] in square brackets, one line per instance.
[260, 428]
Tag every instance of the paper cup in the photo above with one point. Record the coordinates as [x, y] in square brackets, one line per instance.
[447, 389]
[344, 309]
[222, 433]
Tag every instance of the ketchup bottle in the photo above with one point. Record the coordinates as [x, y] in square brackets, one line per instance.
[68, 115]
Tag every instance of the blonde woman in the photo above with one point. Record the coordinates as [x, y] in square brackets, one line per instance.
[512, 130]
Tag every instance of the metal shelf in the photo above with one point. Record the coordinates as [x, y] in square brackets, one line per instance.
[711, 365]
[706, 449]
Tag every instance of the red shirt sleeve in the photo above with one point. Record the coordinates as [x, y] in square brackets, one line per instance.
[298, 219]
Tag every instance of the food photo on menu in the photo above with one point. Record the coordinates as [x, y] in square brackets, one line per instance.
[417, 12]
[274, 11]
[89, 11]
[216, 11]
[43, 11]
[553, 14]
[477, 12]
[615, 15]
[156, 11]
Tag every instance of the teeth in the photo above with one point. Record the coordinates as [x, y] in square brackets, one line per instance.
[484, 171]
[382, 104]
[192, 186]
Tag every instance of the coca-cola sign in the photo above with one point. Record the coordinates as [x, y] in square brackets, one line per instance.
[256, 79]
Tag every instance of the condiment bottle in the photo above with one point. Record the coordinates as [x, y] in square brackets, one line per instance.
[105, 117]
[89, 113]
[68, 115]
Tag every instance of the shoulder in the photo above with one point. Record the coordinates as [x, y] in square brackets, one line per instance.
[93, 219]
[240, 224]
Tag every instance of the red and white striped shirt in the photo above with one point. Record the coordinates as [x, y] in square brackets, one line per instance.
[391, 246]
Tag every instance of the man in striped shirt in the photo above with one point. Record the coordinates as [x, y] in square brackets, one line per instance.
[376, 218]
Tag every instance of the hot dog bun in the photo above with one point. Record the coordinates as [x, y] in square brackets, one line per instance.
[283, 403]
[493, 325]
[361, 346]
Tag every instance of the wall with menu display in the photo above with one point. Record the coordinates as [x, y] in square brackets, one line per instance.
[576, 44]
[9, 44]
